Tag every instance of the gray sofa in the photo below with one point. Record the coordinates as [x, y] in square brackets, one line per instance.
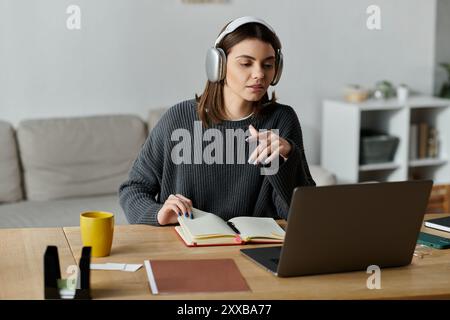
[53, 169]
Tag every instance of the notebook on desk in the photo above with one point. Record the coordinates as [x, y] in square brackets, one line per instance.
[442, 224]
[194, 276]
[208, 229]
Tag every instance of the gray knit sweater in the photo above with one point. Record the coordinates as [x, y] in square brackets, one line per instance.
[228, 190]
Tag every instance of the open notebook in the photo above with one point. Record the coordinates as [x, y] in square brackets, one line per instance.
[207, 229]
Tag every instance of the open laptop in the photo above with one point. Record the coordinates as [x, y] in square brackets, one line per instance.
[347, 228]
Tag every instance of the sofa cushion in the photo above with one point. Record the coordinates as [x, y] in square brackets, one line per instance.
[10, 180]
[57, 213]
[75, 157]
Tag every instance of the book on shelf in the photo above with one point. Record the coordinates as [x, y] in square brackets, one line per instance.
[423, 139]
[413, 141]
[432, 146]
[208, 229]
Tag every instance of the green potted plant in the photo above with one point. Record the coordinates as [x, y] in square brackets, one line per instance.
[445, 89]
[384, 90]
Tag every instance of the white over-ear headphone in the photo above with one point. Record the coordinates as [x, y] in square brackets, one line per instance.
[216, 59]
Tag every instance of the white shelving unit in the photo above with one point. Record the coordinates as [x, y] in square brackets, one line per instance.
[341, 125]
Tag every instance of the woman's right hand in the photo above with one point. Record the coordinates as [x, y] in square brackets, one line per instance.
[174, 206]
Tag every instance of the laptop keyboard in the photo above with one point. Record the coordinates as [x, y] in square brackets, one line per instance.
[275, 260]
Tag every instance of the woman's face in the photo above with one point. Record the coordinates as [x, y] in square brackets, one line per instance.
[250, 69]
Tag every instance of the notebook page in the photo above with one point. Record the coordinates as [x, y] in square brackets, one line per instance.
[254, 227]
[206, 241]
[205, 224]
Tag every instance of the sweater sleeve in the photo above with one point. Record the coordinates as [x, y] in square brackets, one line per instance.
[138, 194]
[294, 171]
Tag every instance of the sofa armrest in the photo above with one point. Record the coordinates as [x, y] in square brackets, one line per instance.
[153, 117]
[10, 175]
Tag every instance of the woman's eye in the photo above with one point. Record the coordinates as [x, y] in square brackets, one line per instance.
[265, 66]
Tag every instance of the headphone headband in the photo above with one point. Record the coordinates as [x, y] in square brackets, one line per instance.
[239, 22]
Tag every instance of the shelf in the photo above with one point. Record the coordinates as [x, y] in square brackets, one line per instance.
[427, 102]
[426, 162]
[378, 105]
[342, 123]
[379, 166]
[413, 102]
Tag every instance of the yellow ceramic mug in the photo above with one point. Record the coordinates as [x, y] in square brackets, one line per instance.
[97, 228]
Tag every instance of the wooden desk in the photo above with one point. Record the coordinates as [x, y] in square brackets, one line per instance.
[22, 260]
[22, 250]
[428, 277]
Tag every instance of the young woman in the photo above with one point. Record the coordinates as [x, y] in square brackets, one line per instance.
[205, 169]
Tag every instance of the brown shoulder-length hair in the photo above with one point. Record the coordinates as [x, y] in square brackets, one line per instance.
[211, 105]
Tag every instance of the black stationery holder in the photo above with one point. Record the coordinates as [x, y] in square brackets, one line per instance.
[52, 273]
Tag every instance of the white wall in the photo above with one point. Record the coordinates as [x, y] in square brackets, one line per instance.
[442, 42]
[131, 56]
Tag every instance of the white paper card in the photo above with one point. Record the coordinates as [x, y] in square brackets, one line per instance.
[115, 266]
[132, 267]
[107, 266]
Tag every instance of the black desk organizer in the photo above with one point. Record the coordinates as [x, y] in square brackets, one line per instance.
[52, 272]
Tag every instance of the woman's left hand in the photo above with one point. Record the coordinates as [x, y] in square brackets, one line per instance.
[271, 146]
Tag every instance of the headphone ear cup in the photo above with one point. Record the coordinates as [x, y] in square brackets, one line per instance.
[279, 68]
[215, 64]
